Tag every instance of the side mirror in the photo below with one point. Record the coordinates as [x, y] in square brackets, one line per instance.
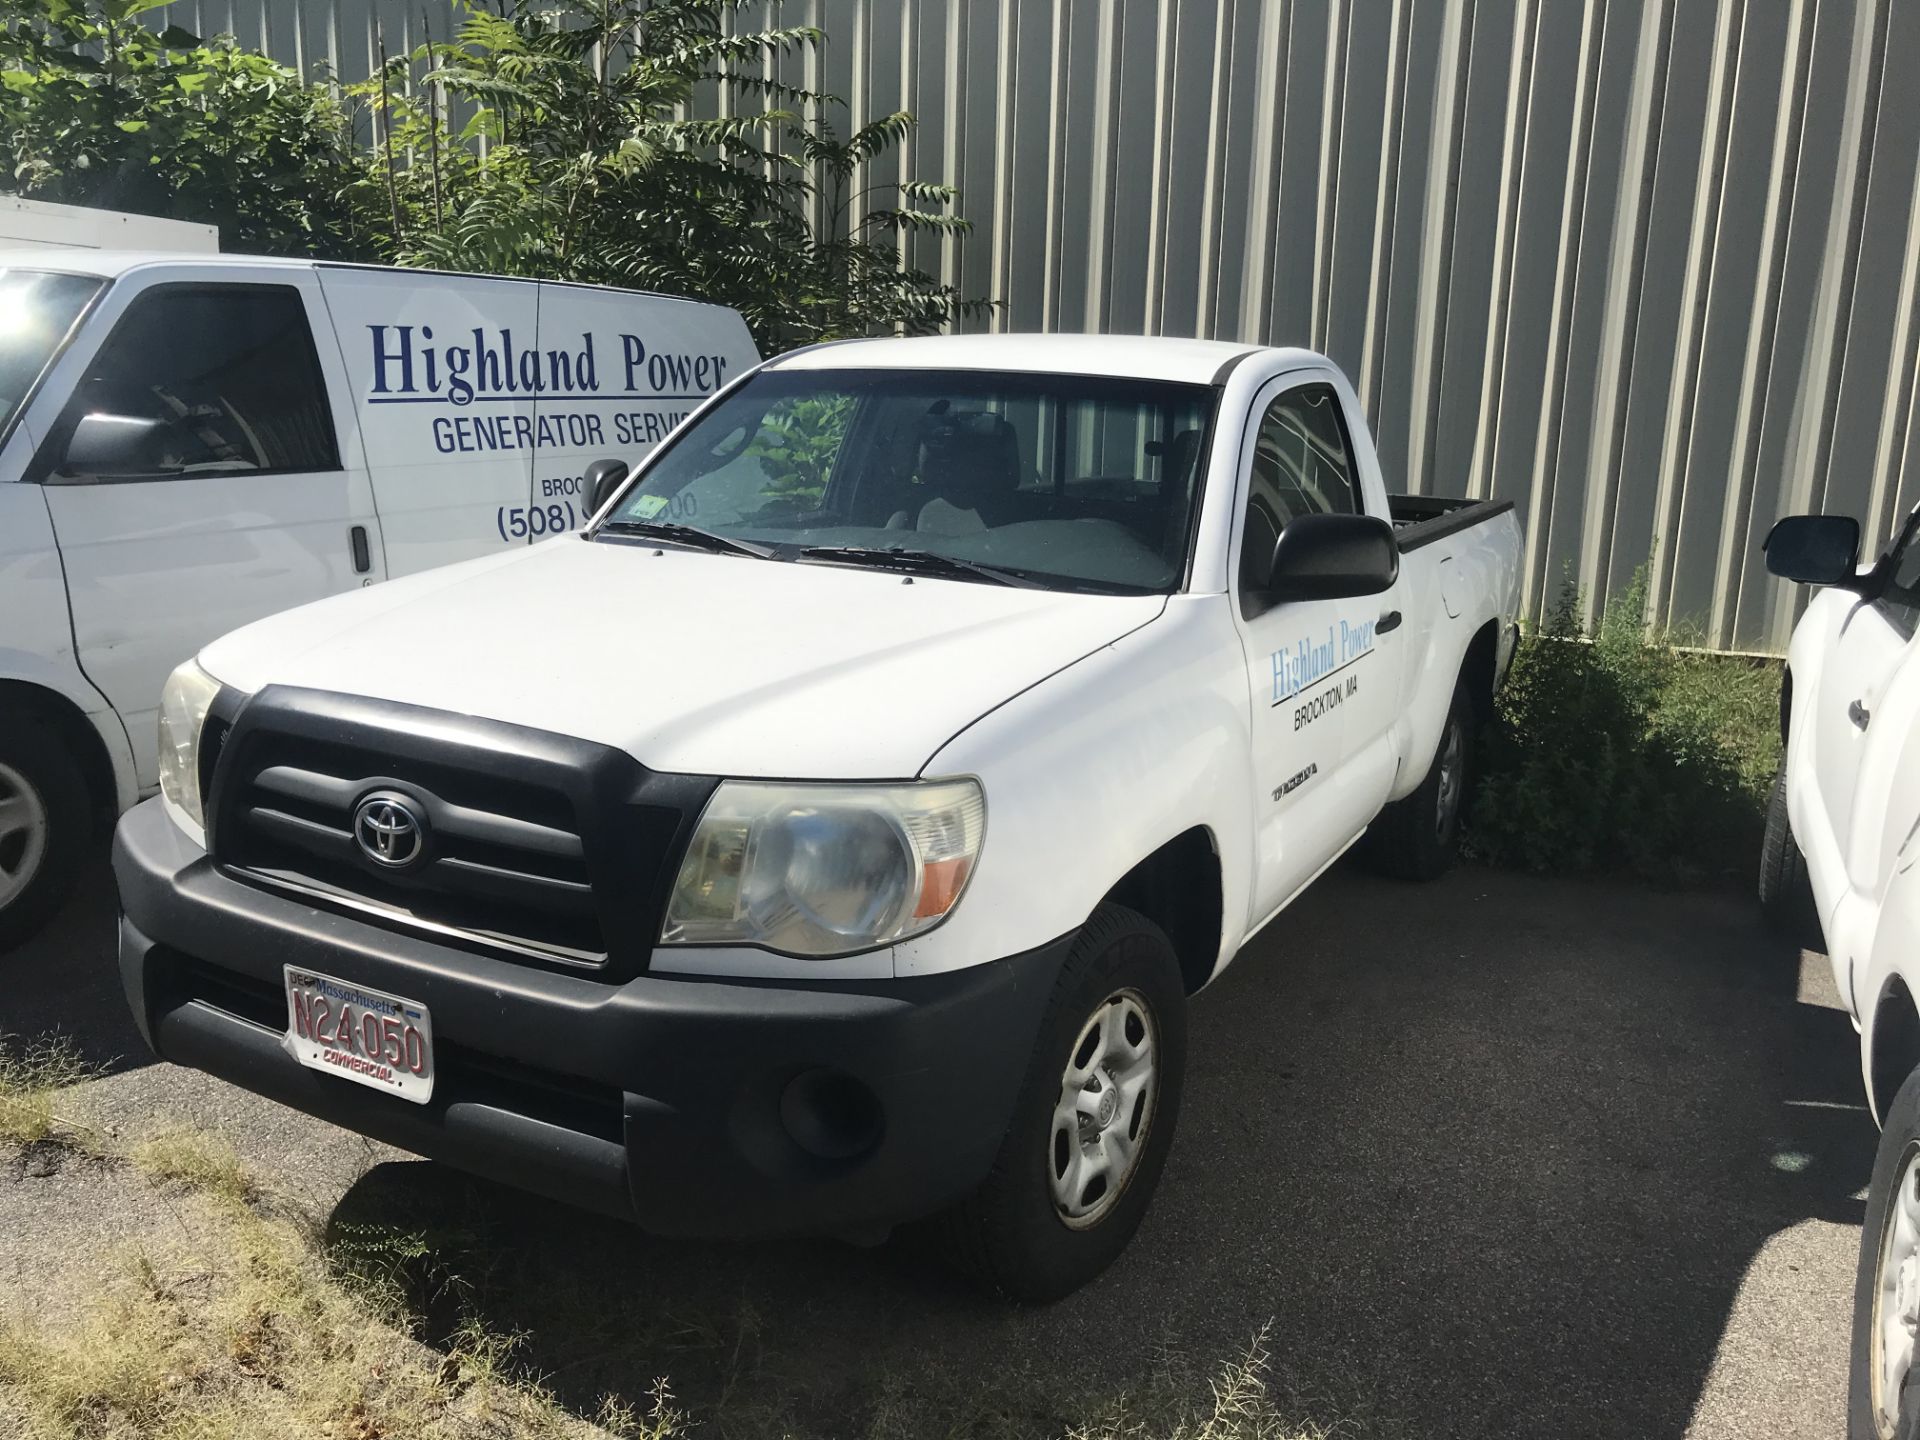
[116, 446]
[1814, 549]
[1332, 557]
[603, 477]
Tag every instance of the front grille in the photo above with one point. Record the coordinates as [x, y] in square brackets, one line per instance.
[547, 848]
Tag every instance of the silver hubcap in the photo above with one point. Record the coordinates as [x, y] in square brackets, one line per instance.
[23, 834]
[1453, 766]
[1896, 1296]
[1105, 1109]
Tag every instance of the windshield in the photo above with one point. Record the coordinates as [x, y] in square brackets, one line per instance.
[1074, 482]
[37, 308]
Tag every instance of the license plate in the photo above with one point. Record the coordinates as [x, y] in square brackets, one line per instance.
[367, 1036]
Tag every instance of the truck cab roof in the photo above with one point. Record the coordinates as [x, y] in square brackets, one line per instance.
[1145, 357]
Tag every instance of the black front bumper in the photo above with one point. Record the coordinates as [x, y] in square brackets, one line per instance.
[694, 1106]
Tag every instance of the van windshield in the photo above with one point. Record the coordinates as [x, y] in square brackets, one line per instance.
[1064, 481]
[37, 308]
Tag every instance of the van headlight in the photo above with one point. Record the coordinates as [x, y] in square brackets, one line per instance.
[823, 870]
[183, 713]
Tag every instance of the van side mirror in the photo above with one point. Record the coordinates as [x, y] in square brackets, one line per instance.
[603, 477]
[117, 447]
[1332, 557]
[1814, 549]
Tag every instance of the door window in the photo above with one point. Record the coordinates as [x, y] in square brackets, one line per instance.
[199, 380]
[1302, 465]
[1900, 600]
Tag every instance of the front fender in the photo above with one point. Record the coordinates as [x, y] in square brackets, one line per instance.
[1091, 771]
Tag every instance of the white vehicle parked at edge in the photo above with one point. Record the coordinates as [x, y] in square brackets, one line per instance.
[1842, 842]
[188, 443]
[832, 835]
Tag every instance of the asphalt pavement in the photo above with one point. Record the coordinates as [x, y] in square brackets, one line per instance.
[1498, 1156]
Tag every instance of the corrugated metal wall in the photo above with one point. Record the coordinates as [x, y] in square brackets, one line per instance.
[1645, 267]
[341, 34]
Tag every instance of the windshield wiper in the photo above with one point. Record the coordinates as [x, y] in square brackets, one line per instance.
[925, 562]
[690, 535]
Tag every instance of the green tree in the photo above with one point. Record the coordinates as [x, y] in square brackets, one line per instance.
[581, 162]
[98, 109]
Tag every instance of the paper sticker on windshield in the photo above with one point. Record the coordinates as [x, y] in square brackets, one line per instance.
[648, 506]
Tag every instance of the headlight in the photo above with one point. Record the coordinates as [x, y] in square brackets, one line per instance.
[823, 870]
[183, 710]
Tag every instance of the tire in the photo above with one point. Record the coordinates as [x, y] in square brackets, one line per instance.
[1418, 837]
[1895, 1167]
[1786, 894]
[46, 817]
[1014, 1236]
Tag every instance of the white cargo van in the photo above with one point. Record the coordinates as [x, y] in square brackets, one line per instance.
[188, 443]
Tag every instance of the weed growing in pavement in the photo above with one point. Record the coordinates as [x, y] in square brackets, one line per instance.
[32, 1073]
[1614, 751]
[198, 1161]
[246, 1329]
[266, 1321]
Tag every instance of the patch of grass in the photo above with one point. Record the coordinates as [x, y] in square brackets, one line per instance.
[421, 1313]
[1614, 751]
[198, 1161]
[32, 1073]
[251, 1334]
[1239, 1405]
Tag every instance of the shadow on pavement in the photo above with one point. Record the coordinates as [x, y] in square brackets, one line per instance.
[1489, 1158]
[67, 979]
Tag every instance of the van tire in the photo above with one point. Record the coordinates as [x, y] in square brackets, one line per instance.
[1786, 894]
[1418, 837]
[1012, 1236]
[42, 778]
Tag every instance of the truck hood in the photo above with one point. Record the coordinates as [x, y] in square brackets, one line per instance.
[707, 664]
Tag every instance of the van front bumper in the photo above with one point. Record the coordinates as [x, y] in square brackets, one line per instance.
[694, 1106]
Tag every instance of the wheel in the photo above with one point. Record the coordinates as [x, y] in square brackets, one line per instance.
[1786, 895]
[1093, 1123]
[1417, 837]
[45, 818]
[1883, 1386]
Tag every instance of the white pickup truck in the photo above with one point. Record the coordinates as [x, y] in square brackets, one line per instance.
[831, 835]
[1841, 871]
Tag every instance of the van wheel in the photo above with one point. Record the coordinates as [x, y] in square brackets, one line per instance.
[1786, 894]
[1417, 837]
[1093, 1123]
[45, 818]
[1883, 1384]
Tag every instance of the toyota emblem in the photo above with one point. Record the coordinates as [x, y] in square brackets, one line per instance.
[390, 829]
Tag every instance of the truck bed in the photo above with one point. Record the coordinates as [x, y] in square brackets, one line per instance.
[1422, 519]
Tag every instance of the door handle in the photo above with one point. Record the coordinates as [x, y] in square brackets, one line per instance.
[362, 555]
[1859, 714]
[1388, 621]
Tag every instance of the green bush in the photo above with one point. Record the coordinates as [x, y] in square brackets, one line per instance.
[1613, 751]
[581, 159]
[97, 109]
[582, 162]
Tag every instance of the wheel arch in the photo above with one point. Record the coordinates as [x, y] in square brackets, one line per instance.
[1894, 1046]
[1478, 668]
[72, 727]
[1179, 888]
